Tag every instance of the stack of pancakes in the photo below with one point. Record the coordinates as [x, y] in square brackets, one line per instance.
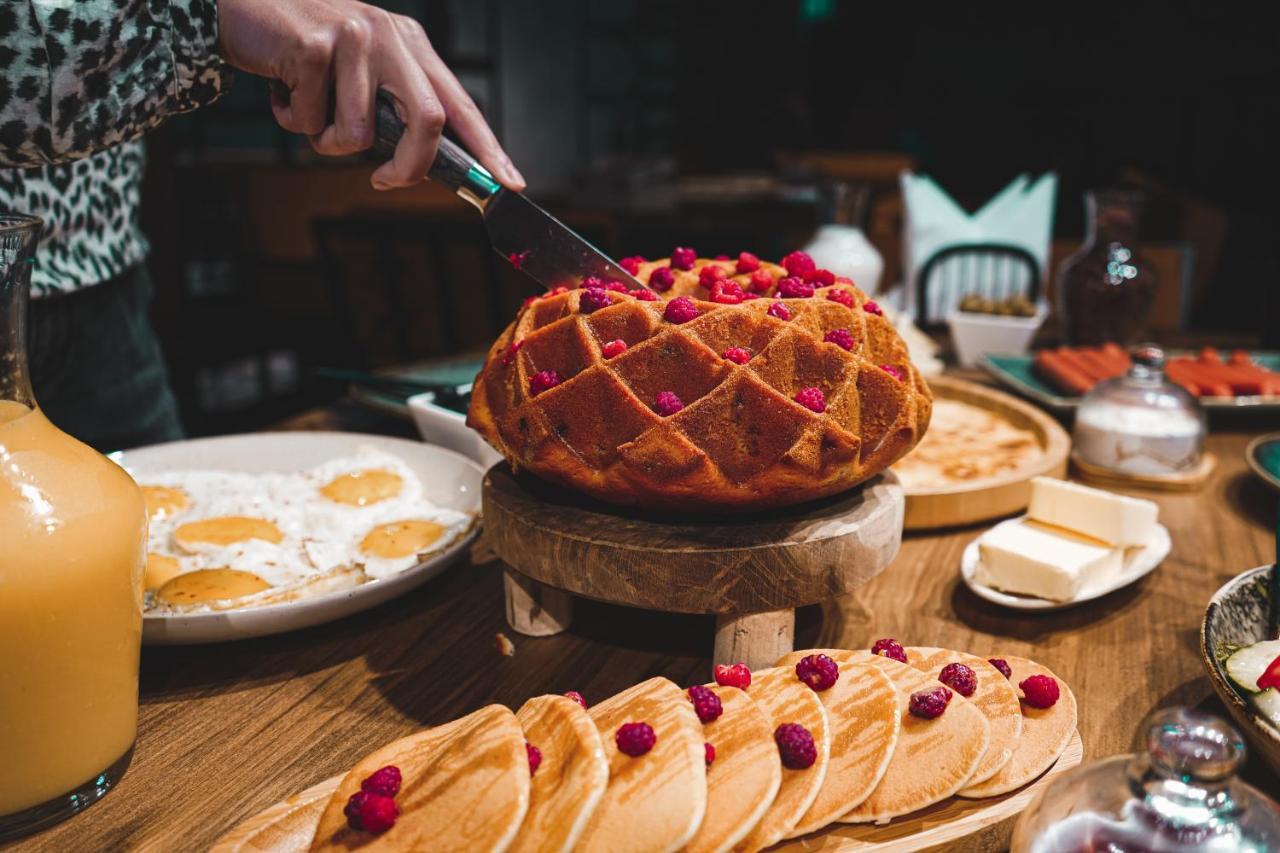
[467, 784]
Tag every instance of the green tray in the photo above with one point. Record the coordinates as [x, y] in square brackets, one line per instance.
[451, 372]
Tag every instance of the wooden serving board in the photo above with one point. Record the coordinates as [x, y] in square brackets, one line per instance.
[965, 826]
[991, 497]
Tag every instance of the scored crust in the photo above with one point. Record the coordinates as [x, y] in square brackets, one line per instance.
[741, 440]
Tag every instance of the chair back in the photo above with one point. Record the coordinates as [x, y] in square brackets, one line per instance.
[992, 270]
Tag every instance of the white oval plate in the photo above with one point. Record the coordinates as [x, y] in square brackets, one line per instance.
[448, 479]
[1138, 563]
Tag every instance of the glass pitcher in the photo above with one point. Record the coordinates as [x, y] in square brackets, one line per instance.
[72, 551]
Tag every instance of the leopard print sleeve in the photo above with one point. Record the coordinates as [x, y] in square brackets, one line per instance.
[78, 76]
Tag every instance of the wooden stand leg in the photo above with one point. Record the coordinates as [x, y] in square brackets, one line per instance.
[534, 609]
[756, 639]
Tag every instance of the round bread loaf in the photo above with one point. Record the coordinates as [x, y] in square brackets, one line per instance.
[742, 386]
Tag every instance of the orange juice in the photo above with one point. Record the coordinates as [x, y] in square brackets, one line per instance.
[72, 551]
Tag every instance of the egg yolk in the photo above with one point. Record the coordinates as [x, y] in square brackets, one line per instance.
[161, 568]
[162, 501]
[361, 488]
[226, 529]
[210, 585]
[400, 538]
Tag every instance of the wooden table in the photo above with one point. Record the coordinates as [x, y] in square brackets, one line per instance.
[227, 730]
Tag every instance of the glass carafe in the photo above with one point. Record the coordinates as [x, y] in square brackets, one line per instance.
[1179, 796]
[72, 551]
[1105, 290]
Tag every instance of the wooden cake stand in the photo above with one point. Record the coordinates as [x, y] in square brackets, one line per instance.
[751, 571]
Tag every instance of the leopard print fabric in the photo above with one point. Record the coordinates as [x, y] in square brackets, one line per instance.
[80, 81]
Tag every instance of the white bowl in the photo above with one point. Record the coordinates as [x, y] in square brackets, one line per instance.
[975, 334]
[447, 428]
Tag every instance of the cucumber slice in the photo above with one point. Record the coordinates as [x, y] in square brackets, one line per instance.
[1268, 703]
[1247, 665]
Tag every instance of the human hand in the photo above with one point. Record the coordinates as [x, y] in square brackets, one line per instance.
[342, 52]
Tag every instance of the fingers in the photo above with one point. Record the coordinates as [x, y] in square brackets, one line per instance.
[308, 81]
[462, 113]
[423, 116]
[353, 118]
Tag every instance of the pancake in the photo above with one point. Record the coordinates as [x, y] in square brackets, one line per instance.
[465, 788]
[787, 699]
[654, 802]
[933, 758]
[995, 697]
[862, 711]
[571, 778]
[1045, 734]
[745, 776]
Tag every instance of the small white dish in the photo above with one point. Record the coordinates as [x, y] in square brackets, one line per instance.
[448, 428]
[448, 480]
[1138, 563]
[975, 334]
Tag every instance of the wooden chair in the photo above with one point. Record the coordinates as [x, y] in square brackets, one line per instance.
[992, 270]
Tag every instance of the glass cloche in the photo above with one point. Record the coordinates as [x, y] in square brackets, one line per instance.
[1140, 423]
[1180, 796]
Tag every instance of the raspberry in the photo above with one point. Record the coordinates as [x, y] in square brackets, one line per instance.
[842, 296]
[577, 697]
[959, 678]
[518, 258]
[667, 404]
[683, 258]
[706, 703]
[749, 295]
[635, 739]
[613, 348]
[780, 311]
[738, 675]
[510, 355]
[793, 287]
[615, 286]
[535, 757]
[662, 278]
[372, 813]
[710, 274]
[384, 781]
[593, 299]
[590, 282]
[1039, 691]
[798, 263]
[893, 370]
[643, 295]
[631, 264]
[721, 257]
[738, 355]
[747, 262]
[542, 381]
[352, 809]
[927, 704]
[821, 278]
[842, 338]
[726, 292]
[761, 280]
[818, 671]
[872, 308]
[812, 399]
[710, 752]
[1002, 665]
[795, 745]
[680, 310]
[889, 649]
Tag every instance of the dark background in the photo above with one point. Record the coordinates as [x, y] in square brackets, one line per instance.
[607, 105]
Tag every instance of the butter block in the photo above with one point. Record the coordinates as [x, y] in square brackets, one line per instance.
[1029, 558]
[1117, 520]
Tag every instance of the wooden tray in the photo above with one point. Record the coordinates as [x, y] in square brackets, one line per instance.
[992, 497]
[955, 825]
[1183, 481]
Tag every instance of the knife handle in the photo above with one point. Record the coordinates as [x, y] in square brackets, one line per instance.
[453, 166]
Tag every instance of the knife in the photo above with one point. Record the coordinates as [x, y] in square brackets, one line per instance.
[532, 240]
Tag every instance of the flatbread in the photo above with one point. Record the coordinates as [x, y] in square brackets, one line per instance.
[744, 779]
[1045, 734]
[654, 802]
[465, 787]
[965, 444]
[933, 758]
[862, 711]
[570, 780]
[994, 696]
[787, 699]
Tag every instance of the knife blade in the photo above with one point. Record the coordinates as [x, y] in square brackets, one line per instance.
[528, 237]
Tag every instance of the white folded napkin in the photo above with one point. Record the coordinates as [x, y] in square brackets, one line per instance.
[1019, 215]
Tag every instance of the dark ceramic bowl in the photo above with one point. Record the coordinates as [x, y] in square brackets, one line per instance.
[1237, 616]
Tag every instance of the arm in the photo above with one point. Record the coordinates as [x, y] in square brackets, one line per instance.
[79, 77]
